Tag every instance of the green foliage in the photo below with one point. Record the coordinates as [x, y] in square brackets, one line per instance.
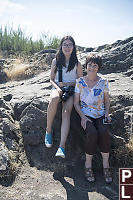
[50, 41]
[16, 42]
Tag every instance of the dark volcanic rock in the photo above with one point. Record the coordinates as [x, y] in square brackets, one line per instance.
[4, 104]
[19, 107]
[7, 97]
[9, 141]
[32, 125]
[3, 77]
[47, 51]
[3, 158]
[118, 57]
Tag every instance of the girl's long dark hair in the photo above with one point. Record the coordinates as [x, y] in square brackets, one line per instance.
[60, 57]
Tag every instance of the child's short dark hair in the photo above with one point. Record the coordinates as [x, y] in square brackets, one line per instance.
[94, 59]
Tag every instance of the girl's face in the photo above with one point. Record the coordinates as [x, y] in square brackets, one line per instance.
[92, 67]
[67, 47]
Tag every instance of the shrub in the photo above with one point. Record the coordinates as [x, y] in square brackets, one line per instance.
[16, 42]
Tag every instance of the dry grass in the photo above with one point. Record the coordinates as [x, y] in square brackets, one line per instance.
[17, 71]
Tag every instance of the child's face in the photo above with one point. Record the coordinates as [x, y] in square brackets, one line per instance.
[67, 47]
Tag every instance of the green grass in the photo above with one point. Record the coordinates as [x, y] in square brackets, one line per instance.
[16, 42]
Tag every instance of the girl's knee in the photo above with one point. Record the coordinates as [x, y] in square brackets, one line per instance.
[66, 111]
[55, 100]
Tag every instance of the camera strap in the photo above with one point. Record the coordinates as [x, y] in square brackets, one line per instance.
[60, 73]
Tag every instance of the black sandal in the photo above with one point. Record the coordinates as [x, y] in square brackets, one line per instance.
[107, 175]
[89, 175]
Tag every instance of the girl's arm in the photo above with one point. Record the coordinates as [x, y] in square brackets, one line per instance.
[79, 70]
[52, 77]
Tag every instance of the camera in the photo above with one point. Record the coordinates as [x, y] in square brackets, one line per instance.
[67, 92]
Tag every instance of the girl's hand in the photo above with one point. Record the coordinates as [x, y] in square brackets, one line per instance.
[60, 91]
[84, 120]
[61, 84]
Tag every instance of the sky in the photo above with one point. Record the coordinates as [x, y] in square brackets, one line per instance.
[90, 22]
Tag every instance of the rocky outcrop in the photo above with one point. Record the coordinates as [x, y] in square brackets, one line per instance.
[32, 124]
[42, 60]
[118, 57]
[9, 140]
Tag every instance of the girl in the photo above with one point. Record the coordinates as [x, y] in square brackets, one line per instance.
[66, 60]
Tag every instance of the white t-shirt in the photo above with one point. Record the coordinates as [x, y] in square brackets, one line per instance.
[69, 76]
[92, 100]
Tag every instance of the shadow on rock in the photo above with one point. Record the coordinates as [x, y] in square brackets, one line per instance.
[77, 188]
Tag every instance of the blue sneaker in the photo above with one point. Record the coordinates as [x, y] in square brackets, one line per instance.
[60, 152]
[48, 140]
